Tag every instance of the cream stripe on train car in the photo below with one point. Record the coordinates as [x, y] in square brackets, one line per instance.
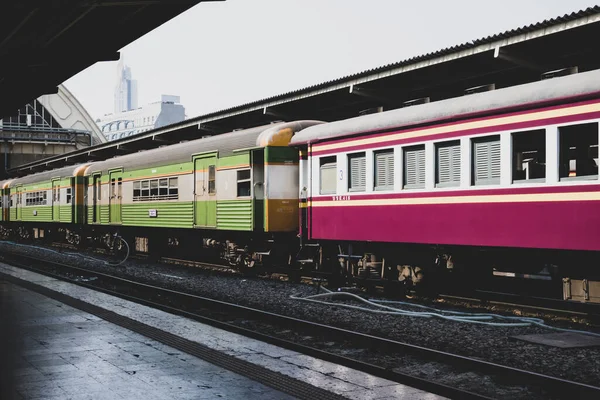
[541, 115]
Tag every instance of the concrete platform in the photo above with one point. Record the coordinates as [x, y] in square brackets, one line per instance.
[64, 353]
[68, 353]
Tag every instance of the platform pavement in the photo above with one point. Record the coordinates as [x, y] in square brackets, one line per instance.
[72, 354]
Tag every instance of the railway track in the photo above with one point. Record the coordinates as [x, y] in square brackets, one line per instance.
[510, 303]
[293, 334]
[584, 313]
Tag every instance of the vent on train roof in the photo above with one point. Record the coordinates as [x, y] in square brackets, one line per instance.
[368, 111]
[480, 89]
[414, 102]
[559, 72]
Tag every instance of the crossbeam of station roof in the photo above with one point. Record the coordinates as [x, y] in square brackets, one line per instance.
[509, 58]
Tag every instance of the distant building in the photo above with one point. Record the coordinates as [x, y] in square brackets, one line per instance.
[154, 115]
[126, 89]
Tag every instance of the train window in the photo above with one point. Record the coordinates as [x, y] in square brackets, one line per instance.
[173, 190]
[154, 187]
[327, 174]
[384, 169]
[97, 187]
[447, 164]
[578, 151]
[36, 198]
[145, 185]
[137, 192]
[69, 196]
[357, 172]
[414, 167]
[163, 187]
[211, 180]
[243, 183]
[486, 160]
[529, 156]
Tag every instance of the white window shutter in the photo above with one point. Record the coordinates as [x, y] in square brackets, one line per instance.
[358, 172]
[414, 164]
[384, 169]
[487, 162]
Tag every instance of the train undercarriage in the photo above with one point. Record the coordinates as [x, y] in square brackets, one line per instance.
[398, 269]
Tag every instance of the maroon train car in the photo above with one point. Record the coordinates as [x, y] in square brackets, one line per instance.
[513, 171]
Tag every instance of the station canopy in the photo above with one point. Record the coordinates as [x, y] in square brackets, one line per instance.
[45, 42]
[543, 50]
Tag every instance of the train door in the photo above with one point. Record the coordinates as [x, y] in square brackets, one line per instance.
[116, 196]
[96, 197]
[56, 200]
[19, 203]
[258, 194]
[205, 190]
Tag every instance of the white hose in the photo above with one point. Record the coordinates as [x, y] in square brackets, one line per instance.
[77, 254]
[459, 316]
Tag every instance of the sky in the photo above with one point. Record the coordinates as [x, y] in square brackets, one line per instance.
[218, 55]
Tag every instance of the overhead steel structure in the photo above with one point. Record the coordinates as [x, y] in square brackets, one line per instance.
[539, 51]
[45, 42]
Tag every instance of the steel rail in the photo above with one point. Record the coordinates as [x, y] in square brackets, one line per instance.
[557, 385]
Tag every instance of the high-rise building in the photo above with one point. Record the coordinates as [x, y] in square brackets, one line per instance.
[128, 119]
[150, 116]
[126, 89]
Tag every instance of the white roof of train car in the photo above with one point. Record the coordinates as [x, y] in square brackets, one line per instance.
[530, 94]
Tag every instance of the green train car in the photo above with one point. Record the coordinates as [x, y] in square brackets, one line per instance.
[234, 192]
[44, 203]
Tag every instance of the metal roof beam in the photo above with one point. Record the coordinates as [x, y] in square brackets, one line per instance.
[162, 140]
[503, 54]
[211, 129]
[369, 94]
[269, 111]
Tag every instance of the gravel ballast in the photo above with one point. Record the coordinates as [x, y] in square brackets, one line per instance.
[490, 343]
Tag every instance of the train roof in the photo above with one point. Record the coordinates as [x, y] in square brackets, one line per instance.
[546, 92]
[65, 172]
[273, 134]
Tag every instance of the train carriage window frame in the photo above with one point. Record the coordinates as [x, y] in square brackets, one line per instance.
[212, 188]
[69, 195]
[157, 189]
[383, 169]
[528, 156]
[486, 160]
[328, 175]
[578, 152]
[173, 188]
[38, 198]
[244, 182]
[357, 172]
[97, 181]
[414, 165]
[448, 159]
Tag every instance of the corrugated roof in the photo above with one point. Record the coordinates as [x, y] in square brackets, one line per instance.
[445, 51]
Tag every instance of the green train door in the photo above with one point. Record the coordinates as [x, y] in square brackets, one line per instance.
[205, 199]
[258, 194]
[56, 200]
[116, 196]
[19, 203]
